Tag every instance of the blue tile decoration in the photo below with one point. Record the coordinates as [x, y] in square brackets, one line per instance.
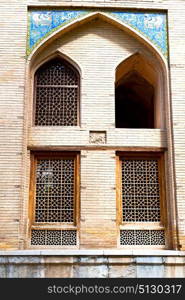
[152, 25]
[43, 23]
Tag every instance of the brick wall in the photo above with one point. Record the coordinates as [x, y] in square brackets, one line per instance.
[12, 69]
[97, 47]
[177, 70]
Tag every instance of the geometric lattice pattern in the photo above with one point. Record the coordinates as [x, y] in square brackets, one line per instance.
[142, 237]
[55, 190]
[56, 94]
[53, 237]
[140, 190]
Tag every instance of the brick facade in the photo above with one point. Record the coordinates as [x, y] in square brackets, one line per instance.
[96, 47]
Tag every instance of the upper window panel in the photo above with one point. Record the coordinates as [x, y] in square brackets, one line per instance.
[56, 94]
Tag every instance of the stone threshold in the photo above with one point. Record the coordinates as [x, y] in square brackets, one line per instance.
[94, 252]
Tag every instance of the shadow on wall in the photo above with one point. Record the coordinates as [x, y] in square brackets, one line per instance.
[134, 102]
[137, 96]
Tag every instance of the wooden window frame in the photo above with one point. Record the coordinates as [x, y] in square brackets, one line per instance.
[35, 155]
[35, 93]
[162, 225]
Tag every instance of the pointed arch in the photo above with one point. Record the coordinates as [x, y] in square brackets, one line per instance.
[39, 60]
[35, 60]
[89, 17]
[56, 93]
[139, 93]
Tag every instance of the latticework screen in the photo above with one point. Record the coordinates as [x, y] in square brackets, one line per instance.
[142, 237]
[54, 237]
[56, 94]
[140, 190]
[55, 190]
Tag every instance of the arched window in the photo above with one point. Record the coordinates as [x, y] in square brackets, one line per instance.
[57, 94]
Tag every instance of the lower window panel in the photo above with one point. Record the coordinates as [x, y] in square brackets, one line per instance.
[54, 237]
[142, 237]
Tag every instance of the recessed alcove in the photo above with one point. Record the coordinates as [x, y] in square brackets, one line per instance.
[138, 94]
[134, 97]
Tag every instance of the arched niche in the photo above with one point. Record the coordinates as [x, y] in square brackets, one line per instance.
[139, 94]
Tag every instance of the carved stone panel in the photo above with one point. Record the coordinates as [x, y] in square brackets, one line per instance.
[97, 137]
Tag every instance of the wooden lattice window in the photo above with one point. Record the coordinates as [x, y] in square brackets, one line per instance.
[54, 198]
[53, 237]
[56, 94]
[141, 194]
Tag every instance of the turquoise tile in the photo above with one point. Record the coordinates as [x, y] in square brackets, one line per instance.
[152, 26]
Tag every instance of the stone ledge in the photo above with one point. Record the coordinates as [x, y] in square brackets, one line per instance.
[92, 260]
[90, 265]
[94, 252]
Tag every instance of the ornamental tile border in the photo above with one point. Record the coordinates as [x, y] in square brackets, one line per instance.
[152, 25]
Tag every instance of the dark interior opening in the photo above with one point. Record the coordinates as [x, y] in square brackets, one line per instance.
[134, 97]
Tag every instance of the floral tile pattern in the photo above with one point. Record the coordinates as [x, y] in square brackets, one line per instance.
[152, 26]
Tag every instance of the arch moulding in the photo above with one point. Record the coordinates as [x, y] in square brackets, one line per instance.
[35, 59]
[105, 17]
